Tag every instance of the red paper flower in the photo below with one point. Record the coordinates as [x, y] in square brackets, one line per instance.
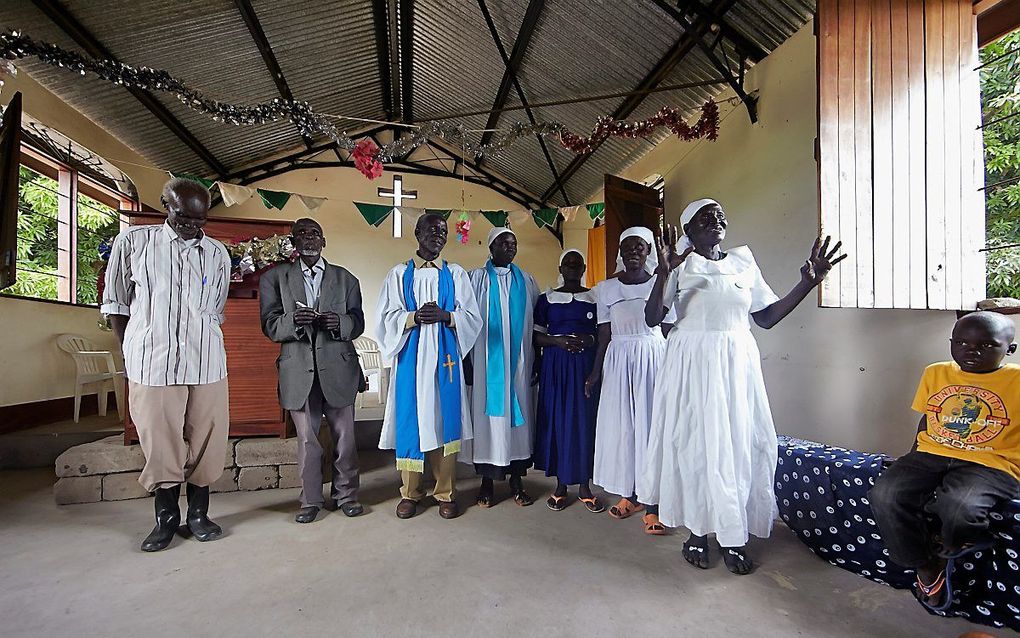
[463, 228]
[366, 159]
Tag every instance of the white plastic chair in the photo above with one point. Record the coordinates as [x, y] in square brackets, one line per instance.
[89, 362]
[372, 362]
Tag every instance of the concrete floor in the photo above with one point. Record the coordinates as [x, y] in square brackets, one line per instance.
[76, 570]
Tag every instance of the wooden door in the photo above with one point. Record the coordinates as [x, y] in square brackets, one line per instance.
[627, 204]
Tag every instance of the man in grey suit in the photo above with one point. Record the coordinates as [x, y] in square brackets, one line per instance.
[313, 309]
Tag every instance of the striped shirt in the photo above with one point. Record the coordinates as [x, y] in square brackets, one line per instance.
[174, 292]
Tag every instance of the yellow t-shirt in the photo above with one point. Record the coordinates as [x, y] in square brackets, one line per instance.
[968, 415]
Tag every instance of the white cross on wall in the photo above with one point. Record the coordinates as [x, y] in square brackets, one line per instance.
[398, 195]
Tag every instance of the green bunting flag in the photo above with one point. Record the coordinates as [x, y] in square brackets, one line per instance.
[442, 212]
[374, 214]
[273, 199]
[496, 217]
[208, 183]
[545, 216]
[596, 211]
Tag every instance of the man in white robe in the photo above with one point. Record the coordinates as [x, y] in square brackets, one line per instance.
[502, 406]
[428, 321]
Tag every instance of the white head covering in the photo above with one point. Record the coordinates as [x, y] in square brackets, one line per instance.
[496, 232]
[692, 209]
[649, 237]
[559, 279]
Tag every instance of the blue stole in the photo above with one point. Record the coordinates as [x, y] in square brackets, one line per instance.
[409, 454]
[495, 357]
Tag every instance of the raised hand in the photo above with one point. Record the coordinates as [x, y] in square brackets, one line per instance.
[821, 261]
[665, 244]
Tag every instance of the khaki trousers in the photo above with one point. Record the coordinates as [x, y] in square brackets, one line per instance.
[444, 470]
[182, 430]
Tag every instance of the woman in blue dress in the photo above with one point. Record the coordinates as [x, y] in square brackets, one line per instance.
[565, 329]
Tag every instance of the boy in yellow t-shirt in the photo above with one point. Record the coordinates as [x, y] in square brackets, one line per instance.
[966, 456]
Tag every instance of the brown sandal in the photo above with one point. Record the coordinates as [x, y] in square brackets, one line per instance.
[593, 505]
[625, 509]
[653, 526]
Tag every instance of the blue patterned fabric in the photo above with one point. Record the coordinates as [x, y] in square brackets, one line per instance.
[822, 496]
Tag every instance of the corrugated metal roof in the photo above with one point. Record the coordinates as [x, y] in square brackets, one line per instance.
[329, 55]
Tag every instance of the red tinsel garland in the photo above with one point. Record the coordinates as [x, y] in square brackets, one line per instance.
[706, 127]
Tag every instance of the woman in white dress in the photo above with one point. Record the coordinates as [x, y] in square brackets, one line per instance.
[627, 363]
[712, 450]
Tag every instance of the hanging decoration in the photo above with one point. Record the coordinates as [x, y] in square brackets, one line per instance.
[273, 199]
[367, 156]
[463, 227]
[376, 214]
[596, 211]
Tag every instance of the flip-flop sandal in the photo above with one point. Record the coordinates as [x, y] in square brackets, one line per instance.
[652, 525]
[522, 499]
[593, 505]
[625, 509]
[556, 503]
[946, 584]
[923, 592]
[484, 501]
[691, 552]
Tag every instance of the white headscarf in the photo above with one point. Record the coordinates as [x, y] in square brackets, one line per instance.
[559, 279]
[496, 232]
[649, 237]
[692, 209]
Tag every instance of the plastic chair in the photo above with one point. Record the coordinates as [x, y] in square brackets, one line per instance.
[89, 363]
[372, 361]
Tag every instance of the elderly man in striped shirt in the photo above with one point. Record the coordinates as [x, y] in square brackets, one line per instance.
[166, 287]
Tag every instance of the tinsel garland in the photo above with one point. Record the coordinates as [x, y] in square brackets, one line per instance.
[16, 45]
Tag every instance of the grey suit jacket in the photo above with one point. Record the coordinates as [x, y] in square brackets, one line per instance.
[335, 359]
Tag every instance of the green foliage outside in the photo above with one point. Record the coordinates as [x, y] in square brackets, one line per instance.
[38, 204]
[1000, 97]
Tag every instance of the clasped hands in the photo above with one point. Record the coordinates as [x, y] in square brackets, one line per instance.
[431, 313]
[305, 316]
[574, 343]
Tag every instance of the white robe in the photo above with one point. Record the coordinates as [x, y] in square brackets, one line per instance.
[712, 453]
[392, 333]
[628, 377]
[495, 442]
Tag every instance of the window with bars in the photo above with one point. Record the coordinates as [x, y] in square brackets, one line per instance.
[63, 219]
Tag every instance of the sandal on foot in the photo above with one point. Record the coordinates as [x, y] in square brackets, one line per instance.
[556, 503]
[942, 585]
[522, 498]
[625, 509]
[696, 555]
[593, 505]
[653, 526]
[484, 501]
[733, 557]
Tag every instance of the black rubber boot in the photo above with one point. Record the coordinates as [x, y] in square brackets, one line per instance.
[199, 524]
[168, 517]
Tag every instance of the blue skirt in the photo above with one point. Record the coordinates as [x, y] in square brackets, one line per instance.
[565, 420]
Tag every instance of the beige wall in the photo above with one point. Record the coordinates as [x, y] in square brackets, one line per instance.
[845, 377]
[370, 252]
[34, 368]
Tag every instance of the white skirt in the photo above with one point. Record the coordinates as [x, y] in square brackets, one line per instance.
[625, 410]
[712, 450]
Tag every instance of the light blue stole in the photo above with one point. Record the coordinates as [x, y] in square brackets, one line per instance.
[495, 351]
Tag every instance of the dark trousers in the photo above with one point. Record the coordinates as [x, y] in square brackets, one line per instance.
[964, 494]
[307, 422]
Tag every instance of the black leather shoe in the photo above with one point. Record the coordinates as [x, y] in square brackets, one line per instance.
[199, 524]
[352, 508]
[306, 514]
[168, 517]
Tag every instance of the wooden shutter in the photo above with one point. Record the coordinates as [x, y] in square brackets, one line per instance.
[900, 153]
